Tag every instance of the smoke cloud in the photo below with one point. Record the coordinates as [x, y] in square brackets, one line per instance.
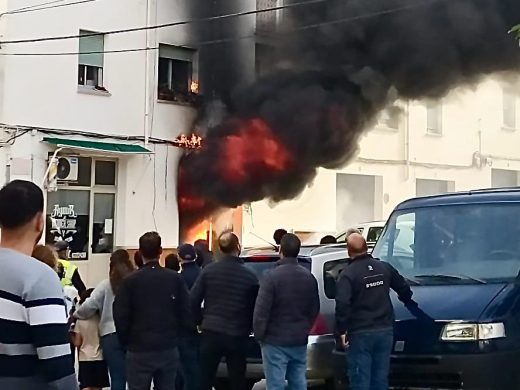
[330, 85]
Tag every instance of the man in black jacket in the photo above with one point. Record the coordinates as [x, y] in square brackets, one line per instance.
[150, 311]
[228, 290]
[286, 308]
[365, 315]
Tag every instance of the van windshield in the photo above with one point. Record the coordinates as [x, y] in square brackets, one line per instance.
[475, 243]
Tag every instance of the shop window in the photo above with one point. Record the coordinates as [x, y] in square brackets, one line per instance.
[103, 223]
[68, 219]
[105, 173]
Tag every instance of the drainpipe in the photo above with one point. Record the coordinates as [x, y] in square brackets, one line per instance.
[407, 142]
[147, 123]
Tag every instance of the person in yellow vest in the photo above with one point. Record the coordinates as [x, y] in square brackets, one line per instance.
[68, 272]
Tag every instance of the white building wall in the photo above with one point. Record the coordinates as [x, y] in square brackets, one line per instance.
[42, 91]
[472, 124]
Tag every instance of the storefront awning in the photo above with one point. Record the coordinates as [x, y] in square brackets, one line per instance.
[105, 147]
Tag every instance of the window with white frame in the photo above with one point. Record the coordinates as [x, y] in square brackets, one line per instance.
[434, 118]
[175, 73]
[90, 64]
[509, 101]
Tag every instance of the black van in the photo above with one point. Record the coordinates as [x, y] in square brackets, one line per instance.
[461, 254]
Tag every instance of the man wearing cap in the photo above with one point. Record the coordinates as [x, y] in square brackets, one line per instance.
[189, 340]
[68, 272]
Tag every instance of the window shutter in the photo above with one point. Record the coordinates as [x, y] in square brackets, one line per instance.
[94, 44]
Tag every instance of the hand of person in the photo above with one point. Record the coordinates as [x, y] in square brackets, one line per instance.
[344, 341]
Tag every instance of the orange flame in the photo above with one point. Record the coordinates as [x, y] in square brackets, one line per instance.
[194, 87]
[200, 231]
[192, 141]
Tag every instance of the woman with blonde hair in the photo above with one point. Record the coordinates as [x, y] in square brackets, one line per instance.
[101, 302]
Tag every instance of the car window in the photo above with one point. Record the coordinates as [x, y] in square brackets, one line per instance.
[455, 243]
[261, 264]
[331, 271]
[374, 233]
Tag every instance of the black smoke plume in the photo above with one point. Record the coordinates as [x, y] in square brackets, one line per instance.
[338, 65]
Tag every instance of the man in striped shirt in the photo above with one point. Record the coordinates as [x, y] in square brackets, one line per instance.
[34, 346]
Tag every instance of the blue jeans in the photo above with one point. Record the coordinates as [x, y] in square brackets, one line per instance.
[281, 363]
[368, 359]
[115, 356]
[189, 356]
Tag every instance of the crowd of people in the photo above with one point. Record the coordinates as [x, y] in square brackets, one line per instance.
[170, 327]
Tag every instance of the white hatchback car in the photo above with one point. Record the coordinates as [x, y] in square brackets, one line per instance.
[370, 230]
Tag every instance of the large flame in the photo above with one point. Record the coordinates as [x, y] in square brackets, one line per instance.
[252, 150]
[200, 231]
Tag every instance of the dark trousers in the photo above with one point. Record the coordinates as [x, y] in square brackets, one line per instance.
[215, 346]
[368, 359]
[189, 366]
[160, 366]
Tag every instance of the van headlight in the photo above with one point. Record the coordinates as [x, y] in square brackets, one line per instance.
[473, 332]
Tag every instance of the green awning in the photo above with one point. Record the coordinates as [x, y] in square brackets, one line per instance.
[106, 147]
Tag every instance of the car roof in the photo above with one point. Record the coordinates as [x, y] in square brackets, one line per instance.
[491, 195]
[305, 251]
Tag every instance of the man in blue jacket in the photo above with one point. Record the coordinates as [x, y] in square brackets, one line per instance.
[286, 308]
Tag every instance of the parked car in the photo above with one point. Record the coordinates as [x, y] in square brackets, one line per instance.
[370, 230]
[461, 253]
[324, 262]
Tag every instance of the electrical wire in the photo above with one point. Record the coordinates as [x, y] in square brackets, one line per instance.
[45, 6]
[164, 25]
[227, 40]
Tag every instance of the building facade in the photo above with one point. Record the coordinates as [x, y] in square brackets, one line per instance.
[108, 114]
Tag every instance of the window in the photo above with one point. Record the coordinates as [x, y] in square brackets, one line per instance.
[175, 73]
[428, 187]
[105, 173]
[503, 178]
[331, 271]
[453, 244]
[263, 59]
[82, 211]
[434, 118]
[90, 68]
[509, 101]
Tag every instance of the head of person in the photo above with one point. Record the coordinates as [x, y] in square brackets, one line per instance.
[85, 295]
[46, 255]
[278, 235]
[328, 239]
[356, 245]
[120, 267]
[290, 246]
[172, 262]
[21, 215]
[150, 247]
[62, 249]
[186, 253]
[352, 231]
[138, 259]
[229, 244]
[61, 270]
[203, 252]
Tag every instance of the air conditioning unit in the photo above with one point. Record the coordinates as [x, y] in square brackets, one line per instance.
[68, 169]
